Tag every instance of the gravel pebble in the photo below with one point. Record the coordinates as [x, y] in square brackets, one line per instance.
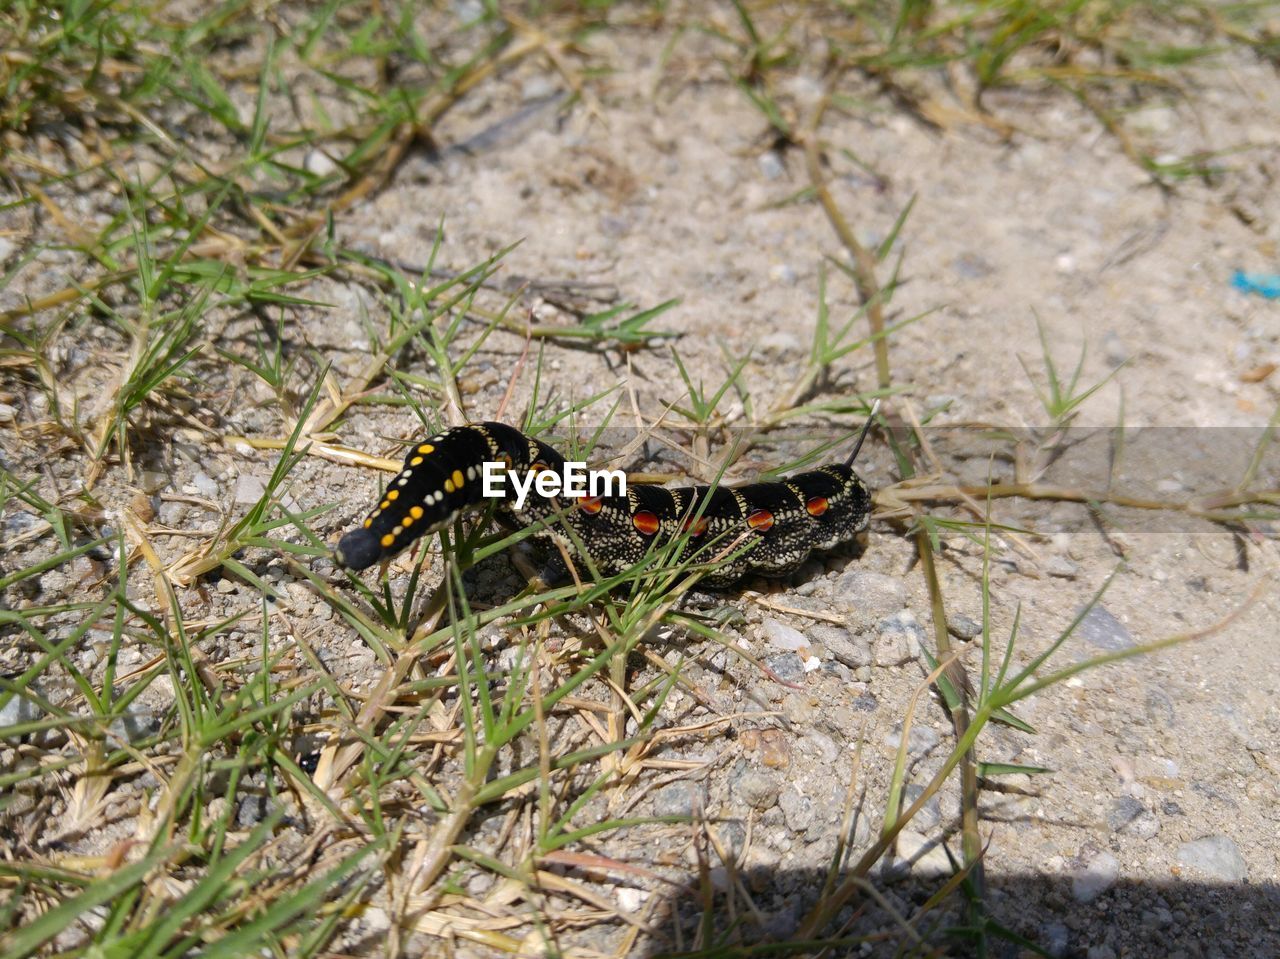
[925, 856]
[1062, 568]
[677, 799]
[781, 636]
[784, 273]
[898, 640]
[1129, 816]
[1095, 873]
[1155, 768]
[821, 746]
[1217, 857]
[930, 813]
[786, 666]
[869, 597]
[771, 165]
[319, 163]
[205, 485]
[797, 810]
[18, 710]
[19, 523]
[920, 740]
[778, 343]
[758, 788]
[962, 627]
[1102, 630]
[1055, 939]
[843, 646]
[1124, 811]
[252, 810]
[135, 724]
[249, 489]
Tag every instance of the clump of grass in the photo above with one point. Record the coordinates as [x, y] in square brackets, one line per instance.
[1106, 55]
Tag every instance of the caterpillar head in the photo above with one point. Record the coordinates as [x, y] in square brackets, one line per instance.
[358, 550]
[425, 496]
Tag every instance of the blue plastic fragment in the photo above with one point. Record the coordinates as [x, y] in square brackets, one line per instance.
[1263, 284]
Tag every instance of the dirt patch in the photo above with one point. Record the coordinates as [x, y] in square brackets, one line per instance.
[1156, 821]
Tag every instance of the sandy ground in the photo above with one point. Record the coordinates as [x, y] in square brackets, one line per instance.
[1156, 833]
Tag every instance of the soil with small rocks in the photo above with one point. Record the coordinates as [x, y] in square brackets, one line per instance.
[1155, 830]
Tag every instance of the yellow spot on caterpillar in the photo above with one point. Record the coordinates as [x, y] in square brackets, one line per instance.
[415, 512]
[407, 521]
[458, 479]
[368, 523]
[448, 486]
[384, 504]
[393, 494]
[416, 461]
[387, 541]
[425, 448]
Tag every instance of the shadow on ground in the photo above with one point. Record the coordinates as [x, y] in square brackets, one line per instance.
[1175, 919]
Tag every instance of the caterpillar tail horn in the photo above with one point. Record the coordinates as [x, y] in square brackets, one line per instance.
[866, 428]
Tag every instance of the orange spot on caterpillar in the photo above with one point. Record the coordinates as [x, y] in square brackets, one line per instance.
[416, 461]
[448, 486]
[646, 522]
[458, 479]
[415, 512]
[387, 541]
[695, 528]
[590, 504]
[393, 494]
[426, 448]
[384, 504]
[761, 521]
[368, 523]
[407, 521]
[817, 505]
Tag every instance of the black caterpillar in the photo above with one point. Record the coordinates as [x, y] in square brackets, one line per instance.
[442, 478]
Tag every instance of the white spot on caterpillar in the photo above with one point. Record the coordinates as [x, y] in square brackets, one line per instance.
[402, 480]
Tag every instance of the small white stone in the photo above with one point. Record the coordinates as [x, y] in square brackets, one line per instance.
[782, 636]
[205, 485]
[249, 489]
[319, 164]
[1094, 876]
[630, 900]
[926, 857]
